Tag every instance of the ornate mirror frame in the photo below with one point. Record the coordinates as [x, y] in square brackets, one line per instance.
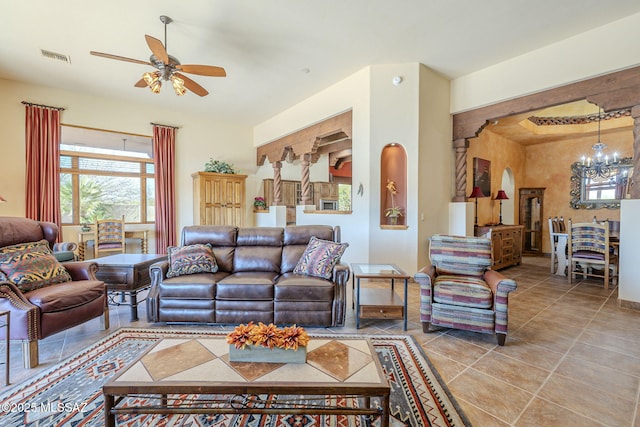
[576, 190]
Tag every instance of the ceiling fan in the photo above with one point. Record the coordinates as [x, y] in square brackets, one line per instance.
[168, 67]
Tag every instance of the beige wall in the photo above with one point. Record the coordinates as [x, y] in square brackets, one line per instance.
[414, 114]
[502, 153]
[599, 51]
[198, 138]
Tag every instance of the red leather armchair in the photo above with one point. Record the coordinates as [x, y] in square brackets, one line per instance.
[42, 312]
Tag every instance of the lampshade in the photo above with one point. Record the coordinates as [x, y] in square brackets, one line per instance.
[475, 193]
[501, 195]
[178, 85]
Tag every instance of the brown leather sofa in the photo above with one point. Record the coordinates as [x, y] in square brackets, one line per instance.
[255, 280]
[43, 312]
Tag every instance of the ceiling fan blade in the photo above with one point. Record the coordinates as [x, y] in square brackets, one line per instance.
[192, 86]
[203, 70]
[119, 58]
[141, 83]
[157, 48]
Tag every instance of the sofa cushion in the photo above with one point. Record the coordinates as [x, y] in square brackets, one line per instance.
[296, 239]
[32, 266]
[191, 259]
[246, 286]
[462, 255]
[65, 296]
[466, 291]
[320, 257]
[192, 286]
[298, 287]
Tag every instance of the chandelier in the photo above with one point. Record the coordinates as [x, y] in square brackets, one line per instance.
[601, 166]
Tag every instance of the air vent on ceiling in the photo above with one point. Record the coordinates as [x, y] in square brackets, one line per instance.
[57, 56]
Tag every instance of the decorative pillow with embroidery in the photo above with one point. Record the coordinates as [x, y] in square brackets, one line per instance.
[320, 257]
[32, 266]
[191, 259]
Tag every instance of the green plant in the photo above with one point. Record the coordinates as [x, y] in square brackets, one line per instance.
[218, 166]
[395, 211]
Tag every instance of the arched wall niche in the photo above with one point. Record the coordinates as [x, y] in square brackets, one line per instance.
[393, 185]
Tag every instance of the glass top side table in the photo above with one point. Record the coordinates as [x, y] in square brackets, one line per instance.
[373, 303]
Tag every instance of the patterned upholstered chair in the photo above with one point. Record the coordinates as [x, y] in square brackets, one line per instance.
[43, 296]
[109, 237]
[459, 291]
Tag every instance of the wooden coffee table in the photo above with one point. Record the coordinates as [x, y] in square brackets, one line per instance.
[200, 367]
[128, 274]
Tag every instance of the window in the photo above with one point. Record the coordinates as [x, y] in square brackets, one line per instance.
[105, 175]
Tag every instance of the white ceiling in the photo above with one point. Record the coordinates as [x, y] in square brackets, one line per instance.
[265, 45]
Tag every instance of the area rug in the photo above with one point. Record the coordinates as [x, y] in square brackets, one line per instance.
[70, 393]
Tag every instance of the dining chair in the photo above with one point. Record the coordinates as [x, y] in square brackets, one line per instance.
[556, 227]
[588, 247]
[109, 236]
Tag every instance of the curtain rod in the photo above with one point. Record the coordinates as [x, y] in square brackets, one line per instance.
[43, 106]
[165, 126]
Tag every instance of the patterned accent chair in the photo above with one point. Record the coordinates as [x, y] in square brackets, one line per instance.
[109, 237]
[589, 246]
[42, 303]
[459, 291]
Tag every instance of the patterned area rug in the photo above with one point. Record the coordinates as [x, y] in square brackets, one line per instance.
[70, 393]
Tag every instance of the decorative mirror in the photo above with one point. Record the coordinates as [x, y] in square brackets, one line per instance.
[601, 184]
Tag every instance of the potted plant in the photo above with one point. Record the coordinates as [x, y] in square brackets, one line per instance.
[394, 212]
[259, 203]
[219, 166]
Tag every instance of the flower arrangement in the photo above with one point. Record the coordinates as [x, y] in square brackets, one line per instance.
[269, 336]
[259, 203]
[393, 211]
[219, 167]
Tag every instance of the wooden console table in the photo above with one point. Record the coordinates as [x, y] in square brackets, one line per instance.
[506, 243]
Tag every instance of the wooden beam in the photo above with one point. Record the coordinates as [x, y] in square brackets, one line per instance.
[306, 141]
[617, 90]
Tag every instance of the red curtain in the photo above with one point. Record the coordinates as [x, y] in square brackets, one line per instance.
[164, 148]
[42, 140]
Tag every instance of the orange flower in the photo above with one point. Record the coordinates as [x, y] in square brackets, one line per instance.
[267, 335]
[294, 336]
[241, 335]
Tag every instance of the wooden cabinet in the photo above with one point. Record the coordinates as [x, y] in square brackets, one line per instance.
[291, 194]
[531, 204]
[219, 199]
[506, 243]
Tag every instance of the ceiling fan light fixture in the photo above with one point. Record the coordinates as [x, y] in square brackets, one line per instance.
[151, 78]
[156, 86]
[178, 85]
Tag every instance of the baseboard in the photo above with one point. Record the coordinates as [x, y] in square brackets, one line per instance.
[632, 305]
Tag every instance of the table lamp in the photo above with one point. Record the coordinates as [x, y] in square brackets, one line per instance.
[501, 196]
[475, 193]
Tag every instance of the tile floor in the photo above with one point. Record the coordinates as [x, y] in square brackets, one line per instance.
[572, 356]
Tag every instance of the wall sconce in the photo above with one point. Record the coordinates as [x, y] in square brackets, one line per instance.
[2, 200]
[501, 196]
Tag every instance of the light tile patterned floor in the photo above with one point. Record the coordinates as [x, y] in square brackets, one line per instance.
[572, 356]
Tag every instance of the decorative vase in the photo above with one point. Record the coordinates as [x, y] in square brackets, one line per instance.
[85, 228]
[252, 353]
